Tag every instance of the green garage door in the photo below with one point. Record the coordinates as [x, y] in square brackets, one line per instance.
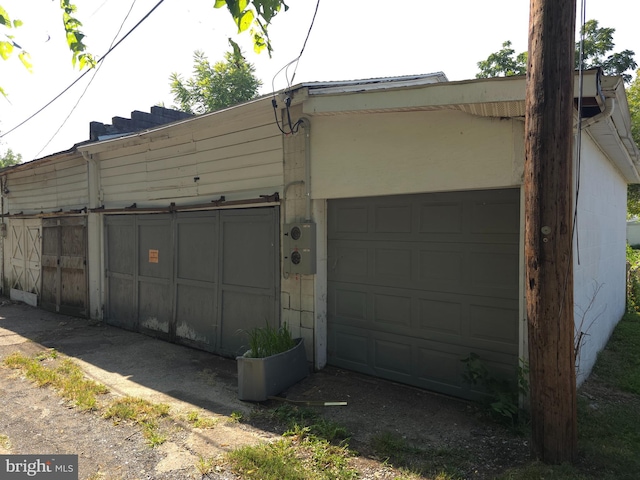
[417, 282]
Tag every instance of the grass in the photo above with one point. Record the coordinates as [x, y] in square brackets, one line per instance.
[5, 442]
[442, 463]
[142, 412]
[201, 421]
[65, 376]
[268, 340]
[311, 448]
[50, 369]
[608, 416]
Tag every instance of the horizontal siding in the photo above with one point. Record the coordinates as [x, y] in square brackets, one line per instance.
[211, 160]
[48, 187]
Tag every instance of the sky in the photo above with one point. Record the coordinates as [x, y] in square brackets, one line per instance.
[350, 39]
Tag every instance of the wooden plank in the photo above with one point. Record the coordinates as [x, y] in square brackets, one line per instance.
[247, 148]
[121, 159]
[26, 297]
[252, 173]
[125, 169]
[268, 184]
[255, 159]
[245, 135]
[125, 179]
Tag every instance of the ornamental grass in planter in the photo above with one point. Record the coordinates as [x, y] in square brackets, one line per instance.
[273, 363]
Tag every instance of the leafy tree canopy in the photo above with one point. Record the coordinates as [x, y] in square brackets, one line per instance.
[9, 158]
[249, 15]
[633, 98]
[598, 43]
[217, 86]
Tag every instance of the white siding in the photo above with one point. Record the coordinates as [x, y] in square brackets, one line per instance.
[412, 152]
[48, 186]
[235, 153]
[599, 254]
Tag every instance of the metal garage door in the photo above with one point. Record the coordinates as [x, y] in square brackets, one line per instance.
[200, 278]
[417, 282]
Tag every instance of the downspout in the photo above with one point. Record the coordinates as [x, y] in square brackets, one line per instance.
[306, 124]
[609, 107]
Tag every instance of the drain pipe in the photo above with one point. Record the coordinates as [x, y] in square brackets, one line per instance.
[609, 107]
[306, 124]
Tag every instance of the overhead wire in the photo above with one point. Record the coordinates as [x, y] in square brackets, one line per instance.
[574, 228]
[86, 71]
[95, 73]
[293, 128]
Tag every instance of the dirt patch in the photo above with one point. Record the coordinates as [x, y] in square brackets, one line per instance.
[37, 421]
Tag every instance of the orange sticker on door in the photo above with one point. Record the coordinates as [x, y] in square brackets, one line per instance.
[153, 256]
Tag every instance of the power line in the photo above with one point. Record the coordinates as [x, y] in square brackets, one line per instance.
[86, 72]
[90, 81]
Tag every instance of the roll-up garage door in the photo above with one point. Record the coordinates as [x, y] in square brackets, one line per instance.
[417, 282]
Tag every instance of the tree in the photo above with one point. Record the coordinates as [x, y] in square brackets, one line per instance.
[633, 97]
[598, 42]
[9, 158]
[503, 63]
[222, 85]
[252, 15]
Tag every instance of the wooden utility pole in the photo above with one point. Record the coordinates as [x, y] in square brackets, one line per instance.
[548, 229]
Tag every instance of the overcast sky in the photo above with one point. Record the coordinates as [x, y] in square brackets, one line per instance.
[350, 40]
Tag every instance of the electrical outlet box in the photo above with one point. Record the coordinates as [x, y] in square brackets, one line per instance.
[299, 248]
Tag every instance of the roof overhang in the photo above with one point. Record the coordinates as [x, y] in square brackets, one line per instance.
[604, 105]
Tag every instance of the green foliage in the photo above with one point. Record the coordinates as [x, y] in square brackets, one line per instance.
[143, 413]
[217, 86]
[503, 395]
[633, 279]
[9, 158]
[79, 54]
[296, 418]
[503, 63]
[619, 364]
[598, 43]
[65, 376]
[254, 15]
[267, 341]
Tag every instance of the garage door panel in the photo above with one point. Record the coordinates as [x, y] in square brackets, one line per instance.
[351, 219]
[196, 249]
[392, 310]
[350, 347]
[195, 315]
[496, 218]
[440, 317]
[394, 262]
[440, 218]
[432, 278]
[349, 303]
[394, 219]
[392, 357]
[348, 259]
[243, 310]
[493, 327]
[155, 305]
[155, 248]
[441, 264]
[121, 301]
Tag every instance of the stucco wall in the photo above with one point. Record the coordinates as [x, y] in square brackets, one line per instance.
[599, 254]
[368, 154]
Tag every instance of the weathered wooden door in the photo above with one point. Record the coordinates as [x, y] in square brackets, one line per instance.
[25, 255]
[64, 265]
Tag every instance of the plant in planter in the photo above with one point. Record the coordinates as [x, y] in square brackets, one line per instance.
[274, 362]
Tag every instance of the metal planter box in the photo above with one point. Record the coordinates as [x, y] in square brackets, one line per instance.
[260, 378]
